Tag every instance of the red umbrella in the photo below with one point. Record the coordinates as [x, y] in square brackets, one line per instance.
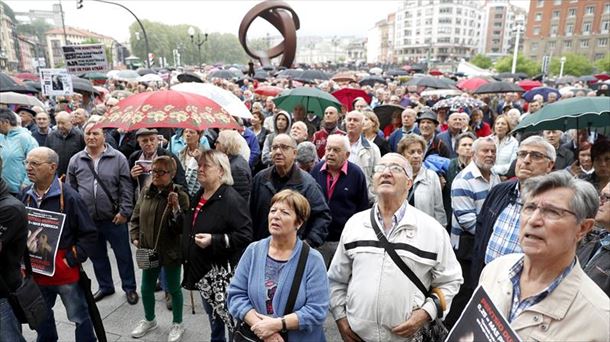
[602, 77]
[347, 95]
[435, 72]
[167, 108]
[406, 68]
[268, 90]
[27, 76]
[471, 83]
[529, 84]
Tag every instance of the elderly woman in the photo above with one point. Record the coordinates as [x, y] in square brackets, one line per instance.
[372, 134]
[156, 223]
[188, 158]
[217, 228]
[259, 291]
[506, 145]
[543, 292]
[425, 194]
[228, 142]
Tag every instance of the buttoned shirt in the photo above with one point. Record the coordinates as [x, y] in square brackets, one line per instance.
[505, 237]
[397, 217]
[331, 181]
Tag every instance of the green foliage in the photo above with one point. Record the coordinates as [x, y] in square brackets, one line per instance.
[91, 41]
[575, 65]
[481, 61]
[603, 65]
[37, 28]
[8, 11]
[524, 64]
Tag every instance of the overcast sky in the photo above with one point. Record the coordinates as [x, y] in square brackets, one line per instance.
[326, 18]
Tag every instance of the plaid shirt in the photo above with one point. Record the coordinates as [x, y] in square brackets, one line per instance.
[397, 217]
[515, 275]
[505, 237]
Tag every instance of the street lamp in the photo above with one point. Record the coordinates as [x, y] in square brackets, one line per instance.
[519, 22]
[562, 61]
[199, 42]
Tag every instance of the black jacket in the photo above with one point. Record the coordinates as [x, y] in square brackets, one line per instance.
[13, 237]
[225, 215]
[242, 176]
[128, 145]
[65, 147]
[179, 178]
[595, 265]
[384, 145]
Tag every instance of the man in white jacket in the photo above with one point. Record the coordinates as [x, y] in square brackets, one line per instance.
[371, 299]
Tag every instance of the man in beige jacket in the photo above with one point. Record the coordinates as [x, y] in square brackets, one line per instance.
[544, 292]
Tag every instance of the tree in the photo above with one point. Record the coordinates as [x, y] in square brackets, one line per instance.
[91, 41]
[481, 61]
[526, 65]
[603, 65]
[575, 65]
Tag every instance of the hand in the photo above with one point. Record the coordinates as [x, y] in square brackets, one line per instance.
[136, 171]
[135, 243]
[575, 169]
[66, 262]
[274, 338]
[266, 327]
[346, 331]
[443, 181]
[172, 201]
[203, 240]
[418, 319]
[119, 219]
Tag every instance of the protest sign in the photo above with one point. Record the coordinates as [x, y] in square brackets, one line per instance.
[85, 58]
[482, 321]
[55, 82]
[44, 232]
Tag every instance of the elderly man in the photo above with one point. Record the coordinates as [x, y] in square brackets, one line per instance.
[497, 231]
[544, 292]
[27, 118]
[565, 157]
[66, 140]
[409, 126]
[329, 126]
[456, 123]
[76, 243]
[79, 117]
[362, 152]
[42, 130]
[284, 174]
[371, 299]
[15, 143]
[427, 122]
[101, 176]
[344, 187]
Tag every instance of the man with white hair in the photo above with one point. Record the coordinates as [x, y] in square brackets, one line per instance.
[408, 117]
[457, 121]
[362, 153]
[66, 140]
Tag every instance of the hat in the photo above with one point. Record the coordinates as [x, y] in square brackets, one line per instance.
[427, 114]
[26, 110]
[146, 131]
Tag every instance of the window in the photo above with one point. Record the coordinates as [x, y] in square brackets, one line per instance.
[497, 33]
[538, 16]
[589, 10]
[586, 28]
[496, 41]
[567, 43]
[458, 11]
[540, 3]
[536, 31]
[556, 2]
[602, 42]
[572, 12]
[569, 29]
[534, 47]
[444, 40]
[552, 45]
[555, 14]
[553, 30]
[499, 25]
[456, 40]
[446, 10]
[408, 32]
[458, 30]
[607, 8]
[584, 43]
[604, 26]
[428, 21]
[444, 20]
[498, 16]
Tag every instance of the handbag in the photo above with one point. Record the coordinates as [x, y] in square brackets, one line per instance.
[436, 330]
[115, 205]
[27, 302]
[147, 258]
[243, 333]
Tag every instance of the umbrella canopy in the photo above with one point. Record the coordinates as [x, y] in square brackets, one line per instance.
[396, 72]
[119, 94]
[312, 75]
[145, 71]
[587, 78]
[458, 102]
[375, 71]
[565, 80]
[573, 90]
[313, 99]
[471, 84]
[289, 73]
[435, 72]
[345, 76]
[347, 96]
[126, 75]
[150, 78]
[94, 76]
[385, 112]
[226, 99]
[81, 85]
[261, 75]
[544, 91]
[602, 77]
[27, 76]
[529, 84]
[224, 74]
[573, 113]
[429, 82]
[167, 108]
[518, 75]
[498, 87]
[371, 80]
[441, 92]
[189, 77]
[268, 90]
[20, 99]
[8, 84]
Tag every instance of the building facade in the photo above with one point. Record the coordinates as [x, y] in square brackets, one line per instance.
[56, 39]
[380, 46]
[501, 21]
[52, 17]
[555, 27]
[8, 52]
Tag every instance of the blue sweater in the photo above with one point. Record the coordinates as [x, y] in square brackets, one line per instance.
[247, 290]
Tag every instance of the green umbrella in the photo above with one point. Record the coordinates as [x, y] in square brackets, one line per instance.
[94, 76]
[313, 99]
[573, 113]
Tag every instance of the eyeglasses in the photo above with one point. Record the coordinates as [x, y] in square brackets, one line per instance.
[535, 156]
[603, 199]
[394, 168]
[547, 212]
[281, 147]
[26, 163]
[160, 173]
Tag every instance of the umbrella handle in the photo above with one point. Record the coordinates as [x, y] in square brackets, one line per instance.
[192, 303]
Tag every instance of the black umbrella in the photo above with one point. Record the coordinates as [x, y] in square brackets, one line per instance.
[371, 80]
[396, 72]
[96, 319]
[385, 113]
[81, 85]
[429, 82]
[224, 74]
[587, 78]
[261, 75]
[498, 87]
[8, 84]
[145, 71]
[517, 75]
[565, 80]
[289, 73]
[189, 77]
[312, 75]
[419, 67]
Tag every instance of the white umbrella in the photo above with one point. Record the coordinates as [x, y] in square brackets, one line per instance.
[127, 75]
[231, 103]
[112, 74]
[376, 71]
[441, 92]
[150, 78]
[20, 99]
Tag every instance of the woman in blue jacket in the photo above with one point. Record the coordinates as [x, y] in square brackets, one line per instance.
[259, 290]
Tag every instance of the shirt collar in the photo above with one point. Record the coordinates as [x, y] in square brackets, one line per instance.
[343, 167]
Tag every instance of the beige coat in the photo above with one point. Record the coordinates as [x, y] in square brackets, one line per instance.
[577, 310]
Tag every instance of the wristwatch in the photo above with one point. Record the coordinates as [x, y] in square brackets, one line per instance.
[284, 328]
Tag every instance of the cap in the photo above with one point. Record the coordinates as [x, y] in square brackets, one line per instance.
[427, 114]
[146, 131]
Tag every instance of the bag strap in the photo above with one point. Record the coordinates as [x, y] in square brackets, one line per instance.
[28, 272]
[395, 257]
[160, 226]
[296, 282]
[99, 181]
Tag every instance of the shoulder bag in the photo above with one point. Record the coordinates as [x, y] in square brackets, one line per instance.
[115, 204]
[147, 258]
[435, 330]
[242, 331]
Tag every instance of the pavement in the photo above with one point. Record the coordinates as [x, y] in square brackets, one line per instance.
[120, 317]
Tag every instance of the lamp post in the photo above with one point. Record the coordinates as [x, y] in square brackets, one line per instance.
[519, 27]
[562, 61]
[199, 42]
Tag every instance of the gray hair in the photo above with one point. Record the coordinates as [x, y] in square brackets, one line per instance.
[52, 156]
[222, 161]
[63, 114]
[340, 138]
[479, 141]
[405, 161]
[585, 200]
[306, 152]
[536, 140]
[231, 144]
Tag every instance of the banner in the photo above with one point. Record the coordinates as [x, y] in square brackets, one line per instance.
[482, 321]
[85, 58]
[55, 82]
[44, 232]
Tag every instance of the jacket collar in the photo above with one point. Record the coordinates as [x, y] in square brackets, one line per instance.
[217, 195]
[54, 191]
[408, 220]
[295, 177]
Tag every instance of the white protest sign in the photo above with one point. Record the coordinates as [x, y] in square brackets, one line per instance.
[55, 82]
[85, 58]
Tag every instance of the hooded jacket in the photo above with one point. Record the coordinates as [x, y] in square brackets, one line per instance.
[14, 147]
[266, 154]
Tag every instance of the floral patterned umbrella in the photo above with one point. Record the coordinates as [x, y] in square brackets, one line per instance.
[458, 102]
[167, 108]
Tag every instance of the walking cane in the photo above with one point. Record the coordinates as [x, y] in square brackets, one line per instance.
[192, 303]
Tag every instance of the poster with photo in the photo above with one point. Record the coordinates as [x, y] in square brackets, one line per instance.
[44, 232]
[55, 82]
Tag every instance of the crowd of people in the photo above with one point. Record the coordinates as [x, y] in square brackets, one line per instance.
[309, 215]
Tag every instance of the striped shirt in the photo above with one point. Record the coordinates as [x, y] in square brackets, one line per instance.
[468, 192]
[505, 237]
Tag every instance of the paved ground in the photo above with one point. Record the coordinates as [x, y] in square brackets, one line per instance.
[120, 317]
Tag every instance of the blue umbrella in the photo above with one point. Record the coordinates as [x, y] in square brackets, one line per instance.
[544, 91]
